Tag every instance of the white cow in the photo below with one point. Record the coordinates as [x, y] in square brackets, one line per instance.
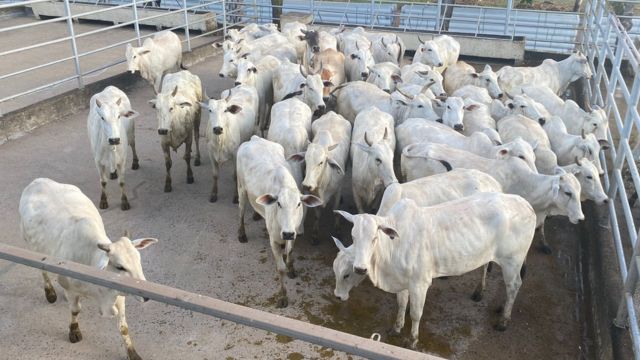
[265, 181]
[386, 47]
[475, 93]
[576, 119]
[58, 220]
[452, 111]
[178, 111]
[385, 75]
[275, 45]
[111, 128]
[477, 118]
[519, 126]
[354, 97]
[440, 52]
[548, 194]
[358, 56]
[372, 145]
[520, 105]
[157, 57]
[461, 74]
[553, 74]
[291, 128]
[315, 43]
[326, 162]
[260, 76]
[404, 251]
[415, 130]
[569, 147]
[423, 75]
[293, 31]
[590, 185]
[330, 66]
[232, 121]
[251, 32]
[290, 80]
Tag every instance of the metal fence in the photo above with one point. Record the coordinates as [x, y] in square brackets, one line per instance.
[607, 44]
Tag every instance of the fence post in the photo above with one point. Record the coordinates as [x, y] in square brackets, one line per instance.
[371, 19]
[438, 16]
[224, 18]
[186, 25]
[74, 48]
[136, 24]
[508, 16]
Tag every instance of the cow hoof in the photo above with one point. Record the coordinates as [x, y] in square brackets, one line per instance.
[546, 249]
[133, 355]
[501, 325]
[292, 273]
[476, 296]
[235, 199]
[256, 216]
[283, 302]
[242, 238]
[113, 175]
[196, 162]
[190, 180]
[393, 332]
[50, 294]
[499, 310]
[125, 206]
[104, 204]
[412, 344]
[135, 165]
[213, 198]
[167, 188]
[74, 333]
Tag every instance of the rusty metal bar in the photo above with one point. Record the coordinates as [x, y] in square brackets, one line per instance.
[214, 307]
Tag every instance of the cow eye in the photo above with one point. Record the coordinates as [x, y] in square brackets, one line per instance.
[231, 60]
[378, 161]
[321, 162]
[135, 56]
[523, 106]
[521, 157]
[595, 125]
[487, 80]
[589, 177]
[420, 106]
[346, 276]
[299, 203]
[170, 109]
[429, 50]
[568, 193]
[448, 107]
[120, 268]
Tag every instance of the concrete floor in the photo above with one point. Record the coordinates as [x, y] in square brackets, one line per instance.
[198, 252]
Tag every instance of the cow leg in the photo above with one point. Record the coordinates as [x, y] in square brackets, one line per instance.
[124, 201]
[196, 137]
[242, 202]
[291, 272]
[187, 159]
[215, 167]
[317, 212]
[358, 200]
[282, 268]
[124, 329]
[235, 183]
[49, 291]
[403, 299]
[167, 164]
[544, 245]
[512, 281]
[135, 165]
[417, 297]
[103, 185]
[74, 329]
[477, 294]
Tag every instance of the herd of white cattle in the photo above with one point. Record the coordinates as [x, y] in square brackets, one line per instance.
[484, 158]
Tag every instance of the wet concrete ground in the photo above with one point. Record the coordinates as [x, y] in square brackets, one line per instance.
[198, 252]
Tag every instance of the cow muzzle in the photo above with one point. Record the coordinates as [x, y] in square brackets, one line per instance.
[360, 271]
[163, 131]
[221, 75]
[542, 121]
[364, 75]
[458, 127]
[316, 49]
[217, 130]
[440, 64]
[113, 175]
[114, 141]
[308, 189]
[237, 83]
[288, 236]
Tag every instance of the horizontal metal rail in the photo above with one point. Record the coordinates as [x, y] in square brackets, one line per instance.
[214, 307]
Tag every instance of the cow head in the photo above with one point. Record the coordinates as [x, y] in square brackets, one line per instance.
[171, 106]
[453, 112]
[384, 76]
[312, 38]
[285, 209]
[428, 53]
[566, 190]
[405, 106]
[366, 233]
[230, 60]
[488, 80]
[579, 67]
[591, 186]
[432, 81]
[380, 157]
[312, 91]
[221, 114]
[136, 56]
[123, 259]
[346, 278]
[320, 166]
[361, 58]
[596, 122]
[520, 149]
[524, 105]
[110, 115]
[247, 73]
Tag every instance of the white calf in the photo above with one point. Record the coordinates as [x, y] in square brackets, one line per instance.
[157, 57]
[461, 74]
[518, 126]
[440, 52]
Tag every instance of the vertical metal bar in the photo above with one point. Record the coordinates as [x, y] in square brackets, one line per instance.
[371, 10]
[186, 25]
[255, 12]
[136, 24]
[74, 48]
[508, 16]
[438, 15]
[312, 4]
[224, 18]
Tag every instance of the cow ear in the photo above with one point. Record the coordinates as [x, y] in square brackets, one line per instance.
[143, 243]
[474, 75]
[152, 102]
[471, 107]
[98, 103]
[253, 70]
[396, 78]
[185, 104]
[339, 244]
[327, 83]
[204, 105]
[131, 114]
[345, 215]
[502, 153]
[234, 109]
[487, 67]
[266, 199]
[436, 103]
[335, 166]
[389, 231]
[310, 200]
[301, 37]
[144, 52]
[105, 247]
[299, 157]
[402, 102]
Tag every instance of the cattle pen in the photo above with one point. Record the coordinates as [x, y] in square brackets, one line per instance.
[581, 301]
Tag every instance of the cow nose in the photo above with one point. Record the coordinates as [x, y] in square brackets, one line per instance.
[114, 141]
[458, 127]
[364, 75]
[307, 188]
[237, 83]
[321, 108]
[541, 121]
[316, 49]
[500, 95]
[163, 131]
[360, 271]
[217, 130]
[288, 235]
[221, 75]
[439, 64]
[439, 120]
[443, 94]
[511, 106]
